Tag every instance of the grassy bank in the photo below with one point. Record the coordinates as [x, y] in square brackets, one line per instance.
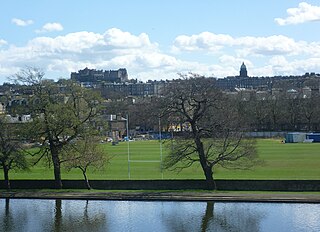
[281, 161]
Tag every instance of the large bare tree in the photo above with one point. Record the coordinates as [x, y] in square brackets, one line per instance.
[60, 114]
[216, 134]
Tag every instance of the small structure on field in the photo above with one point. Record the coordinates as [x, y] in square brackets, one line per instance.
[295, 137]
[301, 137]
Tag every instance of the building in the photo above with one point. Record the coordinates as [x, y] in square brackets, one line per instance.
[309, 81]
[243, 70]
[18, 119]
[117, 127]
[95, 76]
[115, 83]
[139, 89]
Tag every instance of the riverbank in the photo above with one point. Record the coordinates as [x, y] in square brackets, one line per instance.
[287, 197]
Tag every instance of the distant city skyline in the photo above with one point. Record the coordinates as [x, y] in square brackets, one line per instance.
[159, 39]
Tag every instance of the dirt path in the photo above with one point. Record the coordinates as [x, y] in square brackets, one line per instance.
[168, 196]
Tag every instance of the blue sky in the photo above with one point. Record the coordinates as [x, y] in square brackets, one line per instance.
[159, 39]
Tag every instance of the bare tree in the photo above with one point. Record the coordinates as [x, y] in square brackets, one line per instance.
[310, 111]
[216, 135]
[293, 111]
[83, 154]
[259, 111]
[143, 114]
[275, 107]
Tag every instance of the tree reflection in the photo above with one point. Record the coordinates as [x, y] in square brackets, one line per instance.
[71, 219]
[57, 215]
[12, 220]
[230, 217]
[207, 216]
[217, 217]
[8, 218]
[76, 215]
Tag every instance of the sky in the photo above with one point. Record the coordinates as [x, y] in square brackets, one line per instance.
[160, 39]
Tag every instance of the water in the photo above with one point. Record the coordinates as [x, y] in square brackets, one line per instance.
[80, 215]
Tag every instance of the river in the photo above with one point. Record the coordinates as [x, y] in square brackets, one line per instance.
[81, 215]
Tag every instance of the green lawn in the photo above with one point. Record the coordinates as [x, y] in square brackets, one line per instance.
[281, 161]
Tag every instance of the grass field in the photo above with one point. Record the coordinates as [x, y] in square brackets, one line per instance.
[281, 161]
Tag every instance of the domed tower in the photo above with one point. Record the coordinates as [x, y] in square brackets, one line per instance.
[243, 70]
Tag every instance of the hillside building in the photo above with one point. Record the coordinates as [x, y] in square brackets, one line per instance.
[94, 76]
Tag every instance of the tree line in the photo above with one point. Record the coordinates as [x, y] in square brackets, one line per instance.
[283, 111]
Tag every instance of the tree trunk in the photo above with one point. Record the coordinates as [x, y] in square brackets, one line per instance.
[274, 122]
[309, 123]
[211, 184]
[207, 169]
[6, 177]
[203, 161]
[56, 169]
[86, 180]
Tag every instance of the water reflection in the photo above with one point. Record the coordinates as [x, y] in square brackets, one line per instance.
[215, 217]
[233, 217]
[69, 218]
[50, 215]
[8, 218]
[208, 216]
[78, 215]
[57, 215]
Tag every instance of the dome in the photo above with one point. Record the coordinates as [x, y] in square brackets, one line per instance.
[243, 70]
[243, 66]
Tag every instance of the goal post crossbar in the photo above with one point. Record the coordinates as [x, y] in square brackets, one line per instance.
[144, 161]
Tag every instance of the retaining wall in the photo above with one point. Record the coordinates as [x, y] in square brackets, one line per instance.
[237, 185]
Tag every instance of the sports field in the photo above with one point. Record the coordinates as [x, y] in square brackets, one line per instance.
[281, 161]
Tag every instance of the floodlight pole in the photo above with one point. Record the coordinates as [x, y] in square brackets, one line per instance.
[128, 146]
[160, 148]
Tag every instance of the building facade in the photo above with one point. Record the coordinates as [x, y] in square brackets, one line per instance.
[93, 76]
[116, 82]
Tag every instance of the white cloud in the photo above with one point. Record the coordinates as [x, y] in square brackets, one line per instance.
[116, 38]
[21, 22]
[245, 46]
[203, 41]
[3, 42]
[48, 27]
[271, 45]
[114, 48]
[304, 13]
[72, 42]
[110, 50]
[280, 65]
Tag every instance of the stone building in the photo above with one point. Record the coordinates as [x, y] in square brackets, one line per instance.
[95, 76]
[243, 70]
